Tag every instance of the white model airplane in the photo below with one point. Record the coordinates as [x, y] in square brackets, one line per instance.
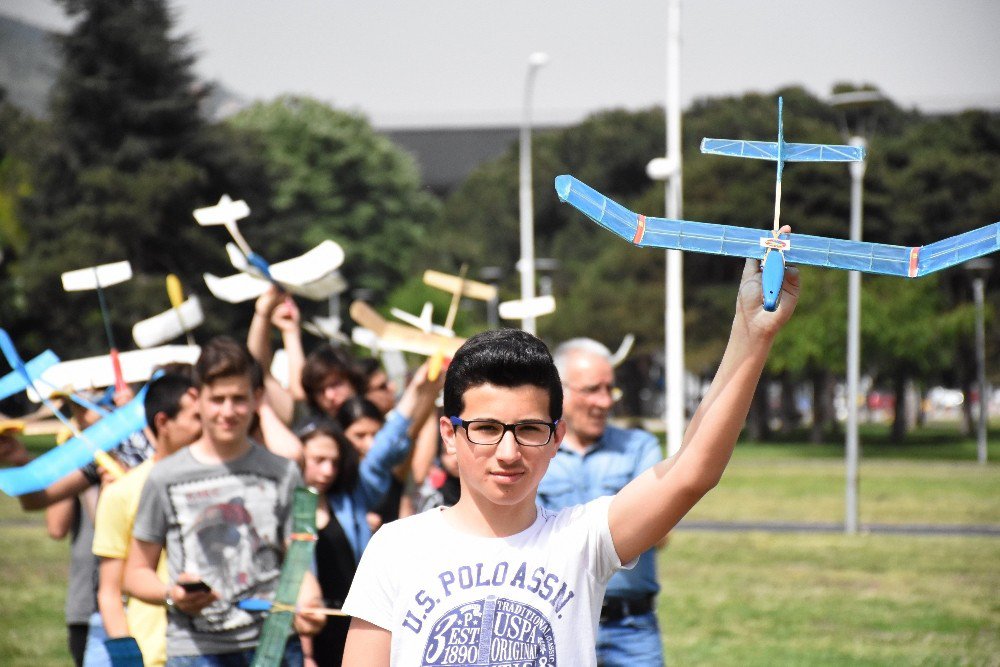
[96, 372]
[520, 309]
[168, 325]
[423, 321]
[327, 328]
[312, 275]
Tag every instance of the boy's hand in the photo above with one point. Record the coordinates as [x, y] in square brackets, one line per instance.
[267, 302]
[285, 317]
[758, 323]
[309, 623]
[191, 603]
[12, 451]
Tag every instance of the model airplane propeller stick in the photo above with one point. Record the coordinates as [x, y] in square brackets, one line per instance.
[175, 292]
[909, 262]
[97, 278]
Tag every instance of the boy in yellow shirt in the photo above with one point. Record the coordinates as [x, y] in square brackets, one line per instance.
[172, 415]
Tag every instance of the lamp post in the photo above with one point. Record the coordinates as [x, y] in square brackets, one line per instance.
[852, 451]
[526, 265]
[980, 268]
[668, 169]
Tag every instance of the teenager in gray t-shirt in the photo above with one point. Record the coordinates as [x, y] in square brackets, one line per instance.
[227, 523]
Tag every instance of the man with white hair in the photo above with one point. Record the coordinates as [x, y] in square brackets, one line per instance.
[596, 459]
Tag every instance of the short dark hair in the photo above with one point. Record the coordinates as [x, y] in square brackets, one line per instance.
[323, 361]
[164, 395]
[505, 358]
[224, 357]
[350, 461]
[367, 367]
[355, 408]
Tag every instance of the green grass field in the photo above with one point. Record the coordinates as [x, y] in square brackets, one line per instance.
[744, 598]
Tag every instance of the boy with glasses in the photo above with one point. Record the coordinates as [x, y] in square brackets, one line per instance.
[498, 580]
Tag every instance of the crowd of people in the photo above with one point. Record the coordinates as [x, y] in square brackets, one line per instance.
[442, 537]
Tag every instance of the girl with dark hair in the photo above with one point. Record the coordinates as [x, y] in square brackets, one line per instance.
[331, 467]
[352, 484]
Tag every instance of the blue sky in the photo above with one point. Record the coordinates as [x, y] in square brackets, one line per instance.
[463, 62]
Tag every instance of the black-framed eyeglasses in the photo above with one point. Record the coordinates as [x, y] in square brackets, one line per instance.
[490, 431]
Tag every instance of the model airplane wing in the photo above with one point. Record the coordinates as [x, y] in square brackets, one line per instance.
[768, 150]
[15, 382]
[312, 275]
[910, 262]
[522, 308]
[76, 452]
[236, 288]
[92, 372]
[401, 337]
[470, 288]
[168, 325]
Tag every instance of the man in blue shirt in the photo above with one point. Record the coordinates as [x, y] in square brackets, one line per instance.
[594, 460]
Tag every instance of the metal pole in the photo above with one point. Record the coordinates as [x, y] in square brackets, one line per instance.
[852, 448]
[674, 311]
[977, 291]
[526, 265]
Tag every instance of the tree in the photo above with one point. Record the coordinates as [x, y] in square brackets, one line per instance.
[334, 177]
[132, 158]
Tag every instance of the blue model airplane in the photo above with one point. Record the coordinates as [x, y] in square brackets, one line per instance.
[772, 248]
[84, 447]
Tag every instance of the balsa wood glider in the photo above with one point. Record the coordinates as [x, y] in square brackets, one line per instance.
[401, 337]
[773, 248]
[312, 275]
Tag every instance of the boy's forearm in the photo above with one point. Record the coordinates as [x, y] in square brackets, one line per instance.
[109, 598]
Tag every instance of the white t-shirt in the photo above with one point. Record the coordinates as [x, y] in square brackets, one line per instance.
[450, 598]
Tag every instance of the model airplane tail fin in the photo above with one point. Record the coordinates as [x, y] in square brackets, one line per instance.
[226, 211]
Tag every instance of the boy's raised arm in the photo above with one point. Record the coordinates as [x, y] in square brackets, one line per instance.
[653, 503]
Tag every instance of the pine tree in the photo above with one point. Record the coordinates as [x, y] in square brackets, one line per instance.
[133, 158]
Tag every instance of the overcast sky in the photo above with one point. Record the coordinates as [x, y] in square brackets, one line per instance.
[461, 62]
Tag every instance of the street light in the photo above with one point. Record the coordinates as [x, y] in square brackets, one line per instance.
[526, 265]
[857, 100]
[980, 268]
[668, 170]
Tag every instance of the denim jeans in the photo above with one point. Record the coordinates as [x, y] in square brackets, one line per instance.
[633, 641]
[96, 655]
[293, 658]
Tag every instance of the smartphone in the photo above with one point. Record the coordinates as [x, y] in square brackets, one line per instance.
[198, 586]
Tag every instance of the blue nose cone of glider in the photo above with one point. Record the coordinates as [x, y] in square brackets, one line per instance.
[772, 277]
